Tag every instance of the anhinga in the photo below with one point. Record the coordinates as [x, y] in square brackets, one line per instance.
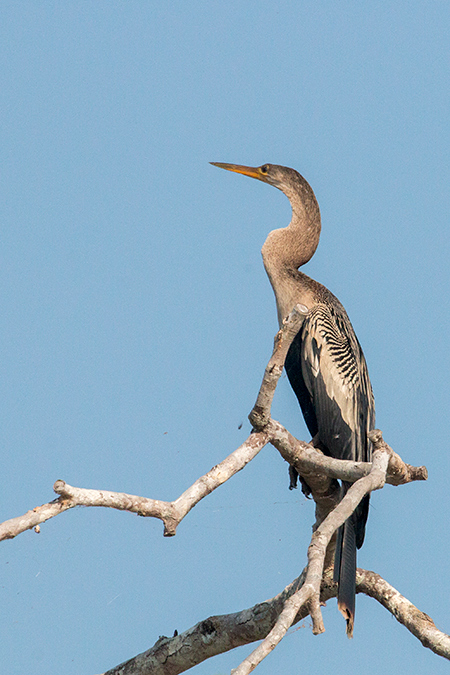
[325, 363]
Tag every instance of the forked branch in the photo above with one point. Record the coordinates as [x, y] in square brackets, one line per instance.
[267, 621]
[303, 456]
[219, 634]
[309, 593]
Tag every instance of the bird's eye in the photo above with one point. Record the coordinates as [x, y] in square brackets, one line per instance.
[265, 168]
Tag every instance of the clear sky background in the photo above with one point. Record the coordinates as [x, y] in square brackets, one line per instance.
[137, 319]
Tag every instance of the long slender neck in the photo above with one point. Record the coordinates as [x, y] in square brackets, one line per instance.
[287, 249]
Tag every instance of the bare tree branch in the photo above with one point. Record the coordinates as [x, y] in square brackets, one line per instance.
[319, 470]
[219, 634]
[260, 414]
[171, 513]
[417, 622]
[308, 461]
[309, 593]
[11, 528]
[212, 636]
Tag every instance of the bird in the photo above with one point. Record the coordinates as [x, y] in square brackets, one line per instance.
[325, 364]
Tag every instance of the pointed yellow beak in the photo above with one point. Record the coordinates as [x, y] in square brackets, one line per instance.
[252, 171]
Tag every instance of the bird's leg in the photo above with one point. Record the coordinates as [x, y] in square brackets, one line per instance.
[293, 478]
[294, 475]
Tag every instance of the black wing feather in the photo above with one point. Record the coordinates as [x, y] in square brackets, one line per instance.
[328, 373]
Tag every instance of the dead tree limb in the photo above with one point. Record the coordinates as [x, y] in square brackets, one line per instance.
[418, 623]
[319, 470]
[171, 513]
[309, 593]
[260, 414]
[309, 461]
[219, 634]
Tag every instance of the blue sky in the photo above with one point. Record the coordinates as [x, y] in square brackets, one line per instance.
[137, 318]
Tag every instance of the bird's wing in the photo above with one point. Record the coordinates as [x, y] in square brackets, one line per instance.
[328, 372]
[336, 378]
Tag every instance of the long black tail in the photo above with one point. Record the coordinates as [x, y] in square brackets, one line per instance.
[350, 536]
[345, 572]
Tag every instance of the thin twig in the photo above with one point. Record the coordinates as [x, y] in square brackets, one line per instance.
[11, 528]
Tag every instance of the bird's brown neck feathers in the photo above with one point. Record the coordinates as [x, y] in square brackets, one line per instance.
[287, 249]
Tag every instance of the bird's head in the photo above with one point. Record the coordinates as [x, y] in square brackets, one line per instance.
[273, 174]
[295, 187]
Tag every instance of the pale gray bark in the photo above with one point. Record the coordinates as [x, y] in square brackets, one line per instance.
[309, 593]
[218, 634]
[171, 513]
